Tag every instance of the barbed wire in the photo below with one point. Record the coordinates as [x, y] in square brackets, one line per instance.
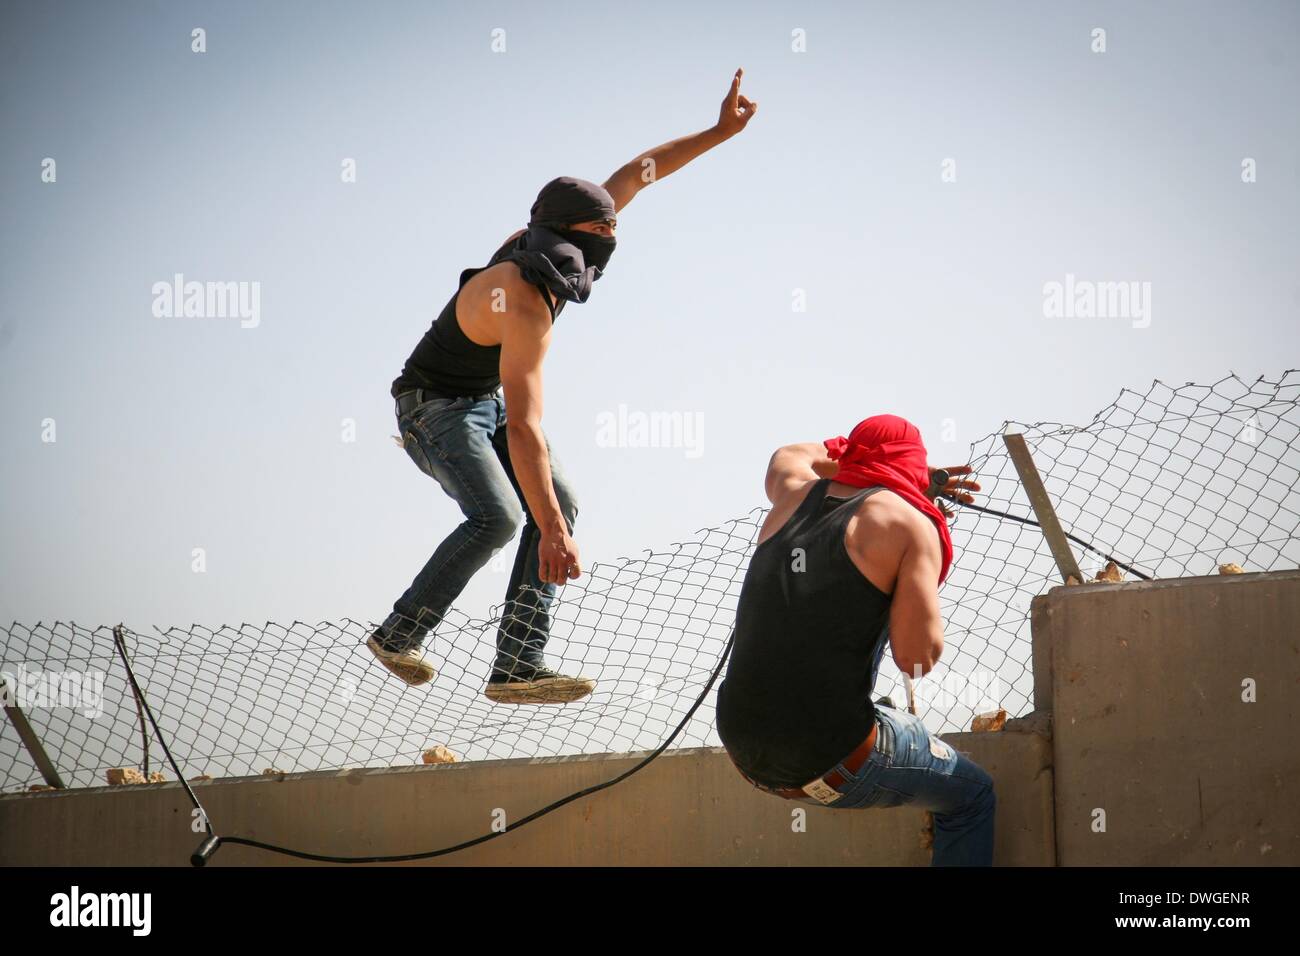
[1172, 482]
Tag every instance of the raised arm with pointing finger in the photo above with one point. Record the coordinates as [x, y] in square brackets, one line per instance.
[655, 164]
[493, 336]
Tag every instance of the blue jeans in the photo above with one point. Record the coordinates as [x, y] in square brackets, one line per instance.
[461, 444]
[908, 766]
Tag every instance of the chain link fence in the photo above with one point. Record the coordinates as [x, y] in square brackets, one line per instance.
[1173, 481]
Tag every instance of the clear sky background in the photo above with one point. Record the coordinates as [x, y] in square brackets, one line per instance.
[924, 297]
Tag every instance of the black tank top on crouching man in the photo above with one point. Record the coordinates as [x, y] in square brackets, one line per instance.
[797, 696]
[447, 363]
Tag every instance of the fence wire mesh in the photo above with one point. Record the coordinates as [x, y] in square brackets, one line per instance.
[1174, 482]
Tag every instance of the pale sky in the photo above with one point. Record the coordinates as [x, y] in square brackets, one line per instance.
[923, 297]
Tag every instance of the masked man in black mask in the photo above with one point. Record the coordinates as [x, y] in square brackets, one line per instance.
[493, 334]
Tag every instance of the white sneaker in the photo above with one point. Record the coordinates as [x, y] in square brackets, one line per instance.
[409, 665]
[537, 685]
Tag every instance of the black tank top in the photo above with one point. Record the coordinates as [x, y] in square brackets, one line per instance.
[447, 363]
[797, 696]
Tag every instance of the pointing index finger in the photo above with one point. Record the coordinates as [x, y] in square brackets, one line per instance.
[734, 92]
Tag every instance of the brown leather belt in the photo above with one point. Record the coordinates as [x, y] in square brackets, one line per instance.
[825, 789]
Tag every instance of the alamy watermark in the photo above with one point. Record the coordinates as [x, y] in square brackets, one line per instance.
[208, 300]
[75, 908]
[1088, 299]
[30, 689]
[978, 691]
[629, 428]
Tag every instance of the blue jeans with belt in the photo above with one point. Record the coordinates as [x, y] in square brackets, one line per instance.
[909, 766]
[461, 444]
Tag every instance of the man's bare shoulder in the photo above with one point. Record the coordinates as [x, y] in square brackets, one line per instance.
[503, 282]
[888, 516]
[498, 303]
[783, 506]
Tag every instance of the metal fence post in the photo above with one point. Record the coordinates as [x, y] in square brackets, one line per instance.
[1042, 504]
[30, 740]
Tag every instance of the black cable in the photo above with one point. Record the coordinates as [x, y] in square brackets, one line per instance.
[162, 741]
[1079, 541]
[214, 842]
[120, 642]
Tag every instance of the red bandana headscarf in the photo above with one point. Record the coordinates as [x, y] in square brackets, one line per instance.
[887, 450]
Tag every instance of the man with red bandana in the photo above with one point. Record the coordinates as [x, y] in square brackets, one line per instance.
[849, 559]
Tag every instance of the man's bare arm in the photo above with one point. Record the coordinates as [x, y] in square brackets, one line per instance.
[525, 337]
[793, 466]
[915, 625]
[655, 164]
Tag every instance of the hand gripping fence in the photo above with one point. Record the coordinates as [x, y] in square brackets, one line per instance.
[1169, 482]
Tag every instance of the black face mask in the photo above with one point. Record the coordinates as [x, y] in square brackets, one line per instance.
[596, 249]
[566, 261]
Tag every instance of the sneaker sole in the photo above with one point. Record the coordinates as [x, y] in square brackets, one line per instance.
[550, 690]
[412, 672]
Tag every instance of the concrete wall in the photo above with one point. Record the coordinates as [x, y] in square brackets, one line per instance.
[1147, 723]
[689, 807]
[1150, 725]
